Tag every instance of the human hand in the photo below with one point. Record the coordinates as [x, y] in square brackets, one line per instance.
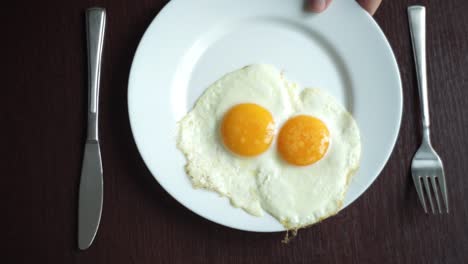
[320, 5]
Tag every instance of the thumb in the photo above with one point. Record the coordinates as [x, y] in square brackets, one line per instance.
[317, 5]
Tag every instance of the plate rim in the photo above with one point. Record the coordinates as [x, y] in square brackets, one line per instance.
[394, 139]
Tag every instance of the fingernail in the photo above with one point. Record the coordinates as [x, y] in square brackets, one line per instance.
[317, 5]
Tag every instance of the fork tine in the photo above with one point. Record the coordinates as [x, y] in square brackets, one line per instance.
[417, 184]
[436, 193]
[443, 190]
[428, 192]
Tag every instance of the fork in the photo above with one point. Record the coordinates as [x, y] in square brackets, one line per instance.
[426, 168]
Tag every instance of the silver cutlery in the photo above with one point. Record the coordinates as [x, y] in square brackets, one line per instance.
[426, 168]
[91, 184]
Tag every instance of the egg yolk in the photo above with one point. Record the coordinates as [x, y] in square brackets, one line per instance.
[303, 140]
[247, 129]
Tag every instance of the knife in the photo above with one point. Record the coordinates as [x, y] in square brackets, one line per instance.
[91, 184]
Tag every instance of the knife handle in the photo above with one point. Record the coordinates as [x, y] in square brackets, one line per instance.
[95, 28]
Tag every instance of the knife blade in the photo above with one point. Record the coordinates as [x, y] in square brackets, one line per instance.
[91, 194]
[91, 183]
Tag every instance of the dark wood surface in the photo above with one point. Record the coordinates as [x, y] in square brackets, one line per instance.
[43, 117]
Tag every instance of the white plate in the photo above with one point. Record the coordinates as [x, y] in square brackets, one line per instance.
[190, 44]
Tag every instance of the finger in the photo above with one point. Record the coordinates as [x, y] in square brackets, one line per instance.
[317, 6]
[370, 5]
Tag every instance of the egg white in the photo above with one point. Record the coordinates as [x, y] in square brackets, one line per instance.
[296, 196]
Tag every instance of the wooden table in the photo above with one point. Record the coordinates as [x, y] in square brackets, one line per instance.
[43, 125]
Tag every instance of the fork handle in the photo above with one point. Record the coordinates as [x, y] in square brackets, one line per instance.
[417, 24]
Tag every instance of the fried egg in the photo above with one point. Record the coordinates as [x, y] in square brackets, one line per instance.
[260, 141]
